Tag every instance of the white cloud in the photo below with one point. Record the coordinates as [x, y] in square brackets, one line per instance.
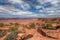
[44, 1]
[15, 1]
[21, 3]
[38, 6]
[9, 11]
[54, 1]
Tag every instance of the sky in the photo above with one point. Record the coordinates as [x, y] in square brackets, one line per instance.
[29, 8]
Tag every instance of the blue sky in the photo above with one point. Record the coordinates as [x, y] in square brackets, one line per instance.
[29, 8]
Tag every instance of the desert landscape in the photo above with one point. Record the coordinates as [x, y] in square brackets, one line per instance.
[30, 29]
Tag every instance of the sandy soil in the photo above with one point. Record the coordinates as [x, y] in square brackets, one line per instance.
[36, 35]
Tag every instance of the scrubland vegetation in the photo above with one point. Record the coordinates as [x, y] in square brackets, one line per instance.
[13, 28]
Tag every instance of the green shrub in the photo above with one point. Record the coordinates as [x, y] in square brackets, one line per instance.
[1, 25]
[16, 25]
[53, 20]
[13, 29]
[25, 26]
[2, 33]
[32, 26]
[12, 36]
[48, 26]
[11, 23]
[7, 25]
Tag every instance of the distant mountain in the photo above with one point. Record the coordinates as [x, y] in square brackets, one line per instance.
[14, 18]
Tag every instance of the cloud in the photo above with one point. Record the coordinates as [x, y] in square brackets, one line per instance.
[29, 8]
[20, 3]
[11, 12]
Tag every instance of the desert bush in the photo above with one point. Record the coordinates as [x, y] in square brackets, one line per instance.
[25, 26]
[32, 26]
[16, 25]
[2, 33]
[53, 20]
[13, 29]
[48, 26]
[11, 23]
[12, 36]
[7, 25]
[1, 25]
[38, 24]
